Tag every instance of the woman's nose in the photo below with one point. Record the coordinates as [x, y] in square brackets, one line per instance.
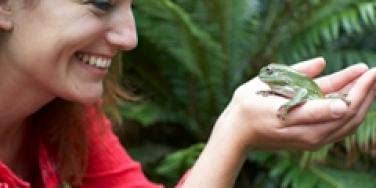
[122, 32]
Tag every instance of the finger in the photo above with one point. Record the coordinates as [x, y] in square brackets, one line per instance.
[362, 87]
[311, 136]
[316, 111]
[335, 81]
[312, 67]
[354, 122]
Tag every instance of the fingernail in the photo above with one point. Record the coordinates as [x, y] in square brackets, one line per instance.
[338, 108]
[321, 58]
[362, 65]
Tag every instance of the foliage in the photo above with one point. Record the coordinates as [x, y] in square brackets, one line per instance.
[177, 163]
[283, 165]
[192, 54]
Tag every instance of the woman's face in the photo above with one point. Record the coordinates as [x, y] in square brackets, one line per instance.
[65, 46]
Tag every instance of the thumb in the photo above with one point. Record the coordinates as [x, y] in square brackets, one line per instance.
[312, 67]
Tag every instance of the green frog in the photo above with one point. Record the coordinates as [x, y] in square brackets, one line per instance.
[287, 82]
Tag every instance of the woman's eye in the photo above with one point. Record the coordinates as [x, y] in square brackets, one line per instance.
[103, 5]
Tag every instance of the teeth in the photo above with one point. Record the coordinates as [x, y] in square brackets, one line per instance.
[96, 61]
[93, 61]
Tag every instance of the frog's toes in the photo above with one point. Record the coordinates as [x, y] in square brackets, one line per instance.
[264, 93]
[282, 112]
[348, 102]
[281, 116]
[343, 97]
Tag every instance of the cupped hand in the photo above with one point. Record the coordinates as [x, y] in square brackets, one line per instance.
[251, 119]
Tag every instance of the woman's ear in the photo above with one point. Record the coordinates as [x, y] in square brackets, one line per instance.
[6, 24]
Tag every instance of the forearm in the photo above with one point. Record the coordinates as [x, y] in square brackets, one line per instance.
[219, 163]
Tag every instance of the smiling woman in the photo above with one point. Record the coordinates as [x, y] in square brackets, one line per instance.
[54, 57]
[54, 77]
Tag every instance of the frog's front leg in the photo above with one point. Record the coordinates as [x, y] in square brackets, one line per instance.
[299, 98]
[267, 93]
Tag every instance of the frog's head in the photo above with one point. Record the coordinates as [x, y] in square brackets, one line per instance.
[277, 74]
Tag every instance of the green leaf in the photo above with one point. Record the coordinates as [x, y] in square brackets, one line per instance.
[344, 178]
[145, 113]
[175, 164]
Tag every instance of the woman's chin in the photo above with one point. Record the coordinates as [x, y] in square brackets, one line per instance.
[85, 98]
[89, 100]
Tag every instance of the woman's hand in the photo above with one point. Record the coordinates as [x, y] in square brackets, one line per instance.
[251, 120]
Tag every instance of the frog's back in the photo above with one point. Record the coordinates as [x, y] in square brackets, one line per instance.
[302, 81]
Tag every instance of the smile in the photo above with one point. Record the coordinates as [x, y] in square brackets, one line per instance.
[95, 61]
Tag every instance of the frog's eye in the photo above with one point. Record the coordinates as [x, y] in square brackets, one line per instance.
[269, 71]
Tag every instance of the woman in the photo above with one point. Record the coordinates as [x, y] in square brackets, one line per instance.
[53, 60]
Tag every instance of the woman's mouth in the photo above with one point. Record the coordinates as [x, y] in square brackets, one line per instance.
[94, 60]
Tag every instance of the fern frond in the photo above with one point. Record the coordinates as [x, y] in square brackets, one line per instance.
[368, 12]
[326, 30]
[320, 155]
[188, 40]
[339, 59]
[343, 178]
[176, 163]
[365, 136]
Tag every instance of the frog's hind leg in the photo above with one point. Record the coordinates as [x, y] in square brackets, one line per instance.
[299, 98]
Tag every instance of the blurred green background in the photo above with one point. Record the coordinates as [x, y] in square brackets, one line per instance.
[192, 54]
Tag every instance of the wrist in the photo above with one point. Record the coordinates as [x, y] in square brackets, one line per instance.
[236, 134]
[230, 140]
[219, 163]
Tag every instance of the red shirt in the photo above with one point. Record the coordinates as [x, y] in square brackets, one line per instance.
[109, 164]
